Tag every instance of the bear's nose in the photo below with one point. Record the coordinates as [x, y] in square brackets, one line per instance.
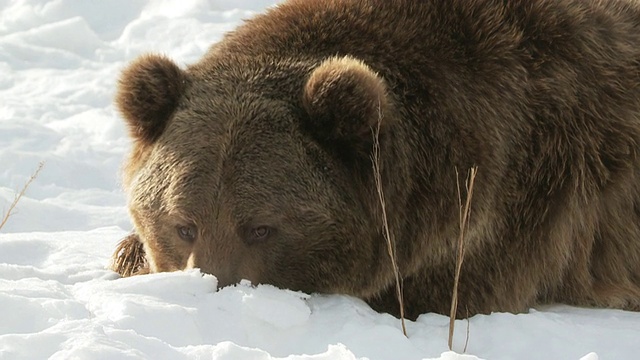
[224, 276]
[224, 282]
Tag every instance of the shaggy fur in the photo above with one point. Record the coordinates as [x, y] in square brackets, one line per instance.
[129, 257]
[255, 161]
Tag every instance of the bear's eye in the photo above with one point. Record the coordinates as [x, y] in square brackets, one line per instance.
[187, 232]
[259, 234]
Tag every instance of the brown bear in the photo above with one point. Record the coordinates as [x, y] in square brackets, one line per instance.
[256, 162]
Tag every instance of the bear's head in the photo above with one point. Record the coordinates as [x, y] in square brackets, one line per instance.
[258, 172]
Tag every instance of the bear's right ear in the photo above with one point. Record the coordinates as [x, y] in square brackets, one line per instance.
[148, 93]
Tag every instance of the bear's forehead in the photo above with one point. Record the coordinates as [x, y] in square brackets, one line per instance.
[243, 85]
[235, 121]
[239, 135]
[238, 170]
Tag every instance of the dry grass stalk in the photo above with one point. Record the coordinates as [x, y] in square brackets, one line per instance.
[385, 224]
[19, 195]
[465, 213]
[466, 340]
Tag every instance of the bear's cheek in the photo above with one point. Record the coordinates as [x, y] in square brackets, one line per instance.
[165, 254]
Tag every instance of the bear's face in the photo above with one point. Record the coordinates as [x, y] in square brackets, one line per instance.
[248, 185]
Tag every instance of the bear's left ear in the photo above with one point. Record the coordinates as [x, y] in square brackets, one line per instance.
[345, 99]
[148, 93]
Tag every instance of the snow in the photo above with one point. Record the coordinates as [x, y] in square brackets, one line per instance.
[59, 60]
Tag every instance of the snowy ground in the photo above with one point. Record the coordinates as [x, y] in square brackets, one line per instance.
[58, 63]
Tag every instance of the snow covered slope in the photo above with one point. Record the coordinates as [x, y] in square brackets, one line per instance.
[58, 63]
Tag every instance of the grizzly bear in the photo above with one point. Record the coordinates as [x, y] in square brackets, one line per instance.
[257, 162]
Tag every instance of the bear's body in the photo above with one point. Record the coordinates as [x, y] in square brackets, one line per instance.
[255, 162]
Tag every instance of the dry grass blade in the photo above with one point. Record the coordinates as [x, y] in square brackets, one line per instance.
[385, 224]
[465, 213]
[466, 340]
[19, 195]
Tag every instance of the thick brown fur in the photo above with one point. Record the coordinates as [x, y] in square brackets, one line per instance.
[255, 162]
[129, 257]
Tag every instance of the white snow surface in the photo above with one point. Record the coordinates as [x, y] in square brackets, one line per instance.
[59, 61]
